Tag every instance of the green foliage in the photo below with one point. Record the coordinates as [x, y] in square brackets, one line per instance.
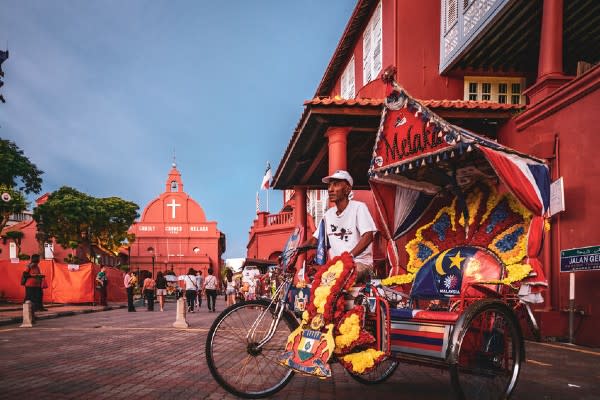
[73, 218]
[15, 205]
[18, 170]
[23, 256]
[15, 236]
[71, 259]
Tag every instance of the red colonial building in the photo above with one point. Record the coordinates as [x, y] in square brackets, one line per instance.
[174, 234]
[521, 72]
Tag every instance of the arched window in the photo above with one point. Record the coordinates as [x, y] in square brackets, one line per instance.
[174, 186]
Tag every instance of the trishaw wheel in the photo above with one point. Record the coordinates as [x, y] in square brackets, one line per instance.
[233, 358]
[487, 352]
[379, 374]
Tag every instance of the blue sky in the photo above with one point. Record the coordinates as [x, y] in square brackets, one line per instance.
[101, 93]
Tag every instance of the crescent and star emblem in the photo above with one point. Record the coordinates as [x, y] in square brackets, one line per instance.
[456, 261]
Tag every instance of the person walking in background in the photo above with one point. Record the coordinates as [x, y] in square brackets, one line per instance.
[148, 290]
[101, 284]
[199, 284]
[129, 283]
[230, 288]
[161, 290]
[210, 287]
[33, 283]
[191, 288]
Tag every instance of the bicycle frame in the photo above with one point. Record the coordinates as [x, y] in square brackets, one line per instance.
[278, 300]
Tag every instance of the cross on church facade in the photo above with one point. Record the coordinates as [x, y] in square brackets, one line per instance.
[173, 204]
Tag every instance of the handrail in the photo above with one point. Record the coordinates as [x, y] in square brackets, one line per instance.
[284, 218]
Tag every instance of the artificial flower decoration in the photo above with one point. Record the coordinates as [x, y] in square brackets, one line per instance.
[362, 362]
[349, 331]
[496, 221]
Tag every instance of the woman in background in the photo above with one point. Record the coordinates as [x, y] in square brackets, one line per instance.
[148, 290]
[161, 290]
[230, 289]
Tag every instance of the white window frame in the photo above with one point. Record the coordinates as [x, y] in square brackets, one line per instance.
[495, 82]
[348, 84]
[373, 46]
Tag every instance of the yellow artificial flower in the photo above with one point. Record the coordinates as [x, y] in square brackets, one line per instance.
[328, 279]
[398, 279]
[349, 332]
[363, 360]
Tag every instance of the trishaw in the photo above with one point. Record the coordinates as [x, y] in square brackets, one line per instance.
[474, 212]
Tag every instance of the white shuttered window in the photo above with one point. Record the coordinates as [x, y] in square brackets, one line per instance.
[372, 46]
[348, 86]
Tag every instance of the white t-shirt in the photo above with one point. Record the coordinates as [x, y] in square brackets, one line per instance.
[344, 230]
[190, 282]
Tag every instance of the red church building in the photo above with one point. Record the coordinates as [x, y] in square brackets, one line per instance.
[521, 72]
[174, 234]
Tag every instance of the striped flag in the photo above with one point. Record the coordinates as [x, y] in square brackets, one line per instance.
[321, 256]
[266, 182]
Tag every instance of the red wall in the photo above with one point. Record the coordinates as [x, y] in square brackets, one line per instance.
[411, 43]
[575, 124]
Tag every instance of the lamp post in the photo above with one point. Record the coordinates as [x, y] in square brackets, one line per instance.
[151, 250]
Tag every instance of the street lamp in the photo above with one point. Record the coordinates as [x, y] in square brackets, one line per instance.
[151, 250]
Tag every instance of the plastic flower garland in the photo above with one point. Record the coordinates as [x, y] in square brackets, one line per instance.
[328, 283]
[497, 221]
[398, 279]
[349, 332]
[363, 361]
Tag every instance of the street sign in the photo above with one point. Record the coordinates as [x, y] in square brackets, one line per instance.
[581, 259]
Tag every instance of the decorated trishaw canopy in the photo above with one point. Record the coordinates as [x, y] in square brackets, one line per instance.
[418, 154]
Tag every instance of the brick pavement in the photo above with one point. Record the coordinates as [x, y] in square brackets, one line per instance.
[121, 355]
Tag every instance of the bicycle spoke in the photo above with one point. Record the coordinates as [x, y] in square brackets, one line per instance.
[234, 358]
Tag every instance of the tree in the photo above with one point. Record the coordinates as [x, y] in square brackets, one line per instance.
[18, 170]
[11, 202]
[17, 176]
[15, 236]
[70, 216]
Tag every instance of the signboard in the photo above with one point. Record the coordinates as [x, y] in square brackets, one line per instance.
[406, 137]
[557, 196]
[581, 259]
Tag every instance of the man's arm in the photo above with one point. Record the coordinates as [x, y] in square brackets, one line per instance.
[363, 243]
[310, 242]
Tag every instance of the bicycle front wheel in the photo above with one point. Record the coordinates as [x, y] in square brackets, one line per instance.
[234, 359]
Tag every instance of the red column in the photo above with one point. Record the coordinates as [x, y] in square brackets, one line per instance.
[550, 67]
[551, 41]
[300, 219]
[300, 208]
[337, 140]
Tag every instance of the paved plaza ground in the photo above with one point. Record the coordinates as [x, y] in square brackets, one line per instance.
[119, 355]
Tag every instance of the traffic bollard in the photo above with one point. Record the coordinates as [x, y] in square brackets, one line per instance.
[180, 321]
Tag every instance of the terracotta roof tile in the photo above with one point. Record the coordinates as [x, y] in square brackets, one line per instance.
[433, 104]
[456, 104]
